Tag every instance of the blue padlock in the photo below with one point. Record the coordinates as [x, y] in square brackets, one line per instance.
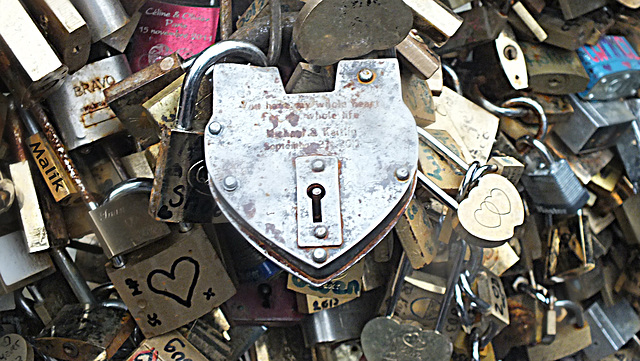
[613, 67]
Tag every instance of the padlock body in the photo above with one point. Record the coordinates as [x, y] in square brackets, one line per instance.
[555, 190]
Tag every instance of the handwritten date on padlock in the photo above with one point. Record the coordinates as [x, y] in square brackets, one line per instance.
[490, 212]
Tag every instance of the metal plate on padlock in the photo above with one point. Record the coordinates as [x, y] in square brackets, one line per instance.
[81, 112]
[327, 31]
[260, 138]
[168, 347]
[172, 282]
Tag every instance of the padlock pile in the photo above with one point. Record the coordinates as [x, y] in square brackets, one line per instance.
[328, 180]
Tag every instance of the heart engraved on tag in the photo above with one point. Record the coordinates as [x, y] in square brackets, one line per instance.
[385, 339]
[173, 287]
[491, 211]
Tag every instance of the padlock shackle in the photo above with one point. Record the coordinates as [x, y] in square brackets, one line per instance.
[537, 145]
[543, 123]
[198, 69]
[479, 98]
[130, 186]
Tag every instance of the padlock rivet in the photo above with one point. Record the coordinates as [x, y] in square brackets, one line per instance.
[230, 183]
[365, 75]
[319, 255]
[215, 128]
[402, 173]
[320, 232]
[317, 166]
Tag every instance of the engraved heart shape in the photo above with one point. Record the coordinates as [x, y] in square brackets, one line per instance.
[385, 339]
[184, 272]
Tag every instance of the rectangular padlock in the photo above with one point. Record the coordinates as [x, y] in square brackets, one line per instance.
[420, 300]
[32, 222]
[166, 28]
[82, 333]
[572, 9]
[28, 65]
[64, 28]
[123, 224]
[308, 78]
[611, 328]
[557, 108]
[417, 235]
[166, 347]
[103, 18]
[481, 24]
[553, 70]
[508, 167]
[434, 19]
[79, 107]
[490, 289]
[569, 35]
[172, 282]
[417, 97]
[126, 97]
[418, 55]
[18, 267]
[594, 125]
[613, 67]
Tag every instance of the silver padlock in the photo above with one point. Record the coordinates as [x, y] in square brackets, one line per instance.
[594, 125]
[552, 185]
[297, 181]
[611, 328]
[122, 222]
[79, 106]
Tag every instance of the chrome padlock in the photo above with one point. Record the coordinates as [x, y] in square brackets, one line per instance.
[601, 124]
[292, 180]
[179, 187]
[104, 20]
[172, 281]
[122, 223]
[79, 106]
[614, 69]
[552, 185]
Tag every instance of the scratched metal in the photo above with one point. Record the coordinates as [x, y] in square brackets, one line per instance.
[384, 339]
[79, 107]
[365, 125]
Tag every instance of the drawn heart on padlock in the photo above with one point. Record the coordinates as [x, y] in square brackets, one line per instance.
[386, 339]
[491, 211]
[173, 287]
[164, 212]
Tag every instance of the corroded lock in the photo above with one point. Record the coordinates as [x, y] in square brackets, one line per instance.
[315, 180]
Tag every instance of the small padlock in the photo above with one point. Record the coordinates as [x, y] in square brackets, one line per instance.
[568, 35]
[29, 68]
[172, 281]
[601, 124]
[434, 19]
[417, 235]
[611, 328]
[18, 267]
[166, 347]
[122, 223]
[552, 185]
[572, 9]
[308, 78]
[554, 70]
[65, 29]
[481, 24]
[84, 332]
[418, 55]
[418, 98]
[613, 67]
[79, 106]
[180, 186]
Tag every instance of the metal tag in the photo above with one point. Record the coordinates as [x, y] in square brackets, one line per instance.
[30, 212]
[167, 347]
[259, 135]
[49, 165]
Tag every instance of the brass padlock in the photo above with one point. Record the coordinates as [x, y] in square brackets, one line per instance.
[172, 281]
[554, 70]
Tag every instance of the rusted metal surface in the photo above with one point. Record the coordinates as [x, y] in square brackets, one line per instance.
[257, 32]
[226, 23]
[51, 135]
[16, 139]
[265, 132]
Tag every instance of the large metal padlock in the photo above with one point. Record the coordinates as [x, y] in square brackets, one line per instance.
[309, 179]
[552, 185]
[79, 106]
[553, 70]
[179, 188]
[594, 125]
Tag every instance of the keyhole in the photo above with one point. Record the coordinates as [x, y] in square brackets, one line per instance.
[316, 192]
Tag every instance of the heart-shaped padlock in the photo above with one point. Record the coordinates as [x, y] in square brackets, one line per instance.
[314, 180]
